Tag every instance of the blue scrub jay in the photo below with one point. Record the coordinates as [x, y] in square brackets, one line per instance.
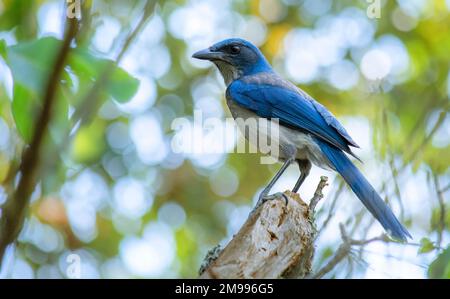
[308, 132]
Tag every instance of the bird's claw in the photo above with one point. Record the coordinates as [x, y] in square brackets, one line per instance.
[266, 197]
[275, 196]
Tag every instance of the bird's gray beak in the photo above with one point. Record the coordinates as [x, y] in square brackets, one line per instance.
[207, 54]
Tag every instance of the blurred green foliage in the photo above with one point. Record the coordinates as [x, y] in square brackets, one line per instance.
[440, 267]
[30, 64]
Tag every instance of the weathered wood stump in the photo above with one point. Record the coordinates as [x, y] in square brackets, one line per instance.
[277, 241]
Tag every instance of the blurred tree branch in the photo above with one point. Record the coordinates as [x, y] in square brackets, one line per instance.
[344, 250]
[445, 189]
[413, 154]
[13, 211]
[442, 210]
[90, 102]
[391, 161]
[331, 209]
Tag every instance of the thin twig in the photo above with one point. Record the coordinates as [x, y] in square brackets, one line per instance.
[85, 111]
[425, 141]
[331, 209]
[440, 197]
[344, 250]
[318, 195]
[365, 231]
[394, 172]
[398, 258]
[13, 212]
[445, 189]
[392, 166]
[358, 219]
[341, 253]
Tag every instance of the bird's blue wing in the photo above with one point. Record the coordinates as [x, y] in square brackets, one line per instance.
[332, 121]
[292, 109]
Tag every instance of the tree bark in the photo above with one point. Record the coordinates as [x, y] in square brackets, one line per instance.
[277, 241]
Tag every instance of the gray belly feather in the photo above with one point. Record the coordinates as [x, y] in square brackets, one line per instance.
[307, 149]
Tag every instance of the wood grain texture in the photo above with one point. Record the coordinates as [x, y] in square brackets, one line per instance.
[275, 242]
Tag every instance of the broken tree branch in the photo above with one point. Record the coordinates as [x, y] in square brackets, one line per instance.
[318, 195]
[276, 241]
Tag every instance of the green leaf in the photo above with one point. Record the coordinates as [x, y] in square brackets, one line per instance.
[121, 85]
[3, 48]
[89, 143]
[326, 253]
[426, 245]
[60, 125]
[24, 109]
[86, 65]
[30, 64]
[440, 267]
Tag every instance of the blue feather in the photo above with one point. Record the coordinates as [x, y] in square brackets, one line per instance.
[365, 192]
[292, 109]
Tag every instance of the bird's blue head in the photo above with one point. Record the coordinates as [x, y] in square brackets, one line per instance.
[235, 58]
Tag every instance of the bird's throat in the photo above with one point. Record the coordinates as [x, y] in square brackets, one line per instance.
[229, 72]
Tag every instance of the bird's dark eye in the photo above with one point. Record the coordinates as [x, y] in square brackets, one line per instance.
[235, 49]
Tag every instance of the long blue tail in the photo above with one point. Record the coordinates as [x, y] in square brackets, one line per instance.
[365, 192]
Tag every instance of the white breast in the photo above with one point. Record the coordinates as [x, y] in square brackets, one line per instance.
[304, 143]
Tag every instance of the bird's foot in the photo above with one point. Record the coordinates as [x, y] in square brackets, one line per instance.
[264, 197]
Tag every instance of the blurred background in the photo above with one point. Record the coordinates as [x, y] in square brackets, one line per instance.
[113, 194]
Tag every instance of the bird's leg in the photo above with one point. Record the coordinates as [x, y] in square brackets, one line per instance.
[264, 196]
[305, 167]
